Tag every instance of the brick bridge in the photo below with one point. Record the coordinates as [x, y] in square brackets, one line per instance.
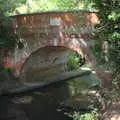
[48, 37]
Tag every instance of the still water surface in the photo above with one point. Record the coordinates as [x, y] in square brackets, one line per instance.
[41, 104]
[38, 105]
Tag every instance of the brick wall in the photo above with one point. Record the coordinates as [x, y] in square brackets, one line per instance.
[70, 30]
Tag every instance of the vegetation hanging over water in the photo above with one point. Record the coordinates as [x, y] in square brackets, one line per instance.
[75, 61]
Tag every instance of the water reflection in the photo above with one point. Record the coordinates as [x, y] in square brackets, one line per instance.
[42, 104]
[38, 105]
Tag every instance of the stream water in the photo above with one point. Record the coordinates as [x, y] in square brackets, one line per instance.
[42, 104]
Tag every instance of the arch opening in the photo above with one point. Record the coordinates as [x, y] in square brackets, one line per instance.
[48, 62]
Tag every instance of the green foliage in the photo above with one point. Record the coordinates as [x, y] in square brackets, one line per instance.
[109, 30]
[35, 6]
[67, 4]
[6, 69]
[30, 6]
[86, 116]
[11, 7]
[7, 37]
[8, 6]
[75, 61]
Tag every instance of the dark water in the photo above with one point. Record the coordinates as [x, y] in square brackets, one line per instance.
[37, 105]
[42, 104]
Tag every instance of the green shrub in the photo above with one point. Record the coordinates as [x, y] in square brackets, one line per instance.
[86, 116]
[75, 61]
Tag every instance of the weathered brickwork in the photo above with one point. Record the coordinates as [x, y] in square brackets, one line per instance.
[70, 30]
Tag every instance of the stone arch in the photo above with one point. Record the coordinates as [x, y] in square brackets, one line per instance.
[49, 29]
[78, 49]
[61, 51]
[52, 29]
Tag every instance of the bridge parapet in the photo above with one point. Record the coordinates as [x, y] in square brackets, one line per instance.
[51, 25]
